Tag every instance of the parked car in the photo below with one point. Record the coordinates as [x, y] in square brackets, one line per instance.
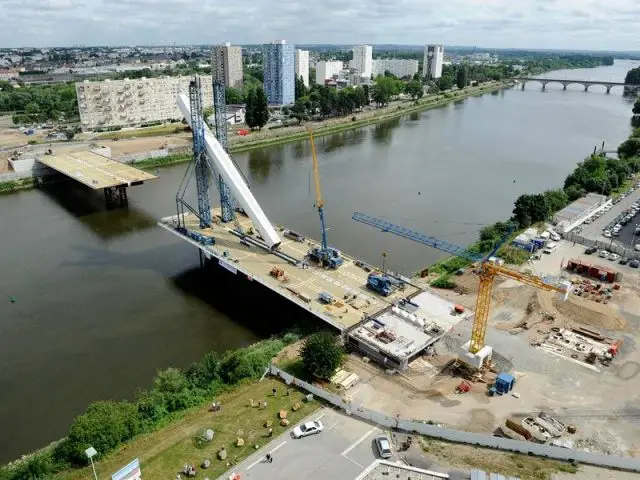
[613, 257]
[590, 250]
[637, 247]
[384, 447]
[603, 254]
[607, 233]
[634, 264]
[306, 429]
[623, 261]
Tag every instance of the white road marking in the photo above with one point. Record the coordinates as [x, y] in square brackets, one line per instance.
[261, 459]
[359, 441]
[320, 417]
[352, 460]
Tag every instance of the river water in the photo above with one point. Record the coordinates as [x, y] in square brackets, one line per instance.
[105, 298]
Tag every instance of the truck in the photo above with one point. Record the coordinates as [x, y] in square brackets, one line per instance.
[380, 283]
[330, 257]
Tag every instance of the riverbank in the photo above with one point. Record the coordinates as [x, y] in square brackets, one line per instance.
[271, 137]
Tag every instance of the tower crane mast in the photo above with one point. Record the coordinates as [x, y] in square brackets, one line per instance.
[476, 351]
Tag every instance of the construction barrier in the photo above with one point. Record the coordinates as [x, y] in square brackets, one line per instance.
[458, 436]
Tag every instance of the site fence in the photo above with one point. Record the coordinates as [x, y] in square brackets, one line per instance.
[609, 245]
[448, 434]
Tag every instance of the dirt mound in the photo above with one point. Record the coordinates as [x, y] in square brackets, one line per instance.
[579, 310]
[590, 313]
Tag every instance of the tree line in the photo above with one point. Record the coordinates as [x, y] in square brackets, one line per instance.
[39, 103]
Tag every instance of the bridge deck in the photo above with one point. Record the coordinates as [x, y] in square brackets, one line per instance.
[94, 170]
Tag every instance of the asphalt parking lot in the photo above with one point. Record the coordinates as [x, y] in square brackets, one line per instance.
[594, 230]
[341, 452]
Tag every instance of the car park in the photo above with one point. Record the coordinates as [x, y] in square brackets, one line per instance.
[306, 429]
[383, 446]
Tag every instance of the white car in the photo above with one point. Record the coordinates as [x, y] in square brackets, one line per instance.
[603, 254]
[606, 234]
[637, 247]
[613, 257]
[306, 429]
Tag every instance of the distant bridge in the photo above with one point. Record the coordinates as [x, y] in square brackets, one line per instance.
[628, 88]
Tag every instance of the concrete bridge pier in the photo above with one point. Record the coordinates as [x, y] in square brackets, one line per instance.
[586, 87]
[523, 84]
[116, 197]
[608, 89]
[544, 86]
[564, 85]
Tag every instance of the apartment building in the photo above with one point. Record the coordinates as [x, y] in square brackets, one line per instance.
[433, 60]
[134, 102]
[398, 67]
[326, 71]
[362, 61]
[302, 66]
[226, 60]
[278, 59]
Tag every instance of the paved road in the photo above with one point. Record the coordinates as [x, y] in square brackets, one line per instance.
[341, 452]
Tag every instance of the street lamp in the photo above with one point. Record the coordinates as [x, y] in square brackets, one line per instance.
[90, 453]
[384, 256]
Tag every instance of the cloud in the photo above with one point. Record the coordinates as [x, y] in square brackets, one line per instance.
[577, 24]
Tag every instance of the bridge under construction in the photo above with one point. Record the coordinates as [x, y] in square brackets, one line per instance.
[96, 170]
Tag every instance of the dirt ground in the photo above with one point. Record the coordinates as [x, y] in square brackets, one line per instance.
[137, 145]
[604, 405]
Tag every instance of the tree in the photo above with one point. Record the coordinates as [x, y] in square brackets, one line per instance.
[462, 79]
[445, 82]
[574, 192]
[529, 209]
[629, 148]
[69, 134]
[261, 108]
[299, 111]
[414, 89]
[233, 96]
[633, 76]
[170, 380]
[103, 426]
[384, 89]
[301, 89]
[250, 109]
[322, 354]
[636, 107]
[367, 98]
[556, 200]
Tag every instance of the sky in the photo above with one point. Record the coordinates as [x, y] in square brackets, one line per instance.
[558, 24]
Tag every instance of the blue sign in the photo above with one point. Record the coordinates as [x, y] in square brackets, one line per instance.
[130, 472]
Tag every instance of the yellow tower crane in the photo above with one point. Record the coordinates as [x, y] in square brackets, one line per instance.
[474, 352]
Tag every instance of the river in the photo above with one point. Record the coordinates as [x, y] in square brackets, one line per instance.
[105, 298]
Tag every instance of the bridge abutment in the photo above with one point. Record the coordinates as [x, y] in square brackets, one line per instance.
[116, 197]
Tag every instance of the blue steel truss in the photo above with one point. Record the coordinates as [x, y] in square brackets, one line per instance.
[200, 162]
[416, 236]
[227, 205]
[426, 239]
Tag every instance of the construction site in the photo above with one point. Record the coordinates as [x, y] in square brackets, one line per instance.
[539, 353]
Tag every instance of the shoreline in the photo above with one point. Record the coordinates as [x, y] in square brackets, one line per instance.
[299, 132]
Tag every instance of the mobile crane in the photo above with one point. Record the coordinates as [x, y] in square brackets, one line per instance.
[324, 255]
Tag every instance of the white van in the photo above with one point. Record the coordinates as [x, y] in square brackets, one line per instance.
[550, 248]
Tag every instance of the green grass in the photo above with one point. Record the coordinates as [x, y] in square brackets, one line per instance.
[163, 161]
[143, 132]
[15, 185]
[164, 452]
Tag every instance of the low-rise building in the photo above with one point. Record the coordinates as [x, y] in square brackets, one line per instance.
[134, 102]
[398, 67]
[8, 74]
[577, 212]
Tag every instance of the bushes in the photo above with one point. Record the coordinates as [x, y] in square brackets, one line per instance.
[444, 281]
[104, 426]
[249, 362]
